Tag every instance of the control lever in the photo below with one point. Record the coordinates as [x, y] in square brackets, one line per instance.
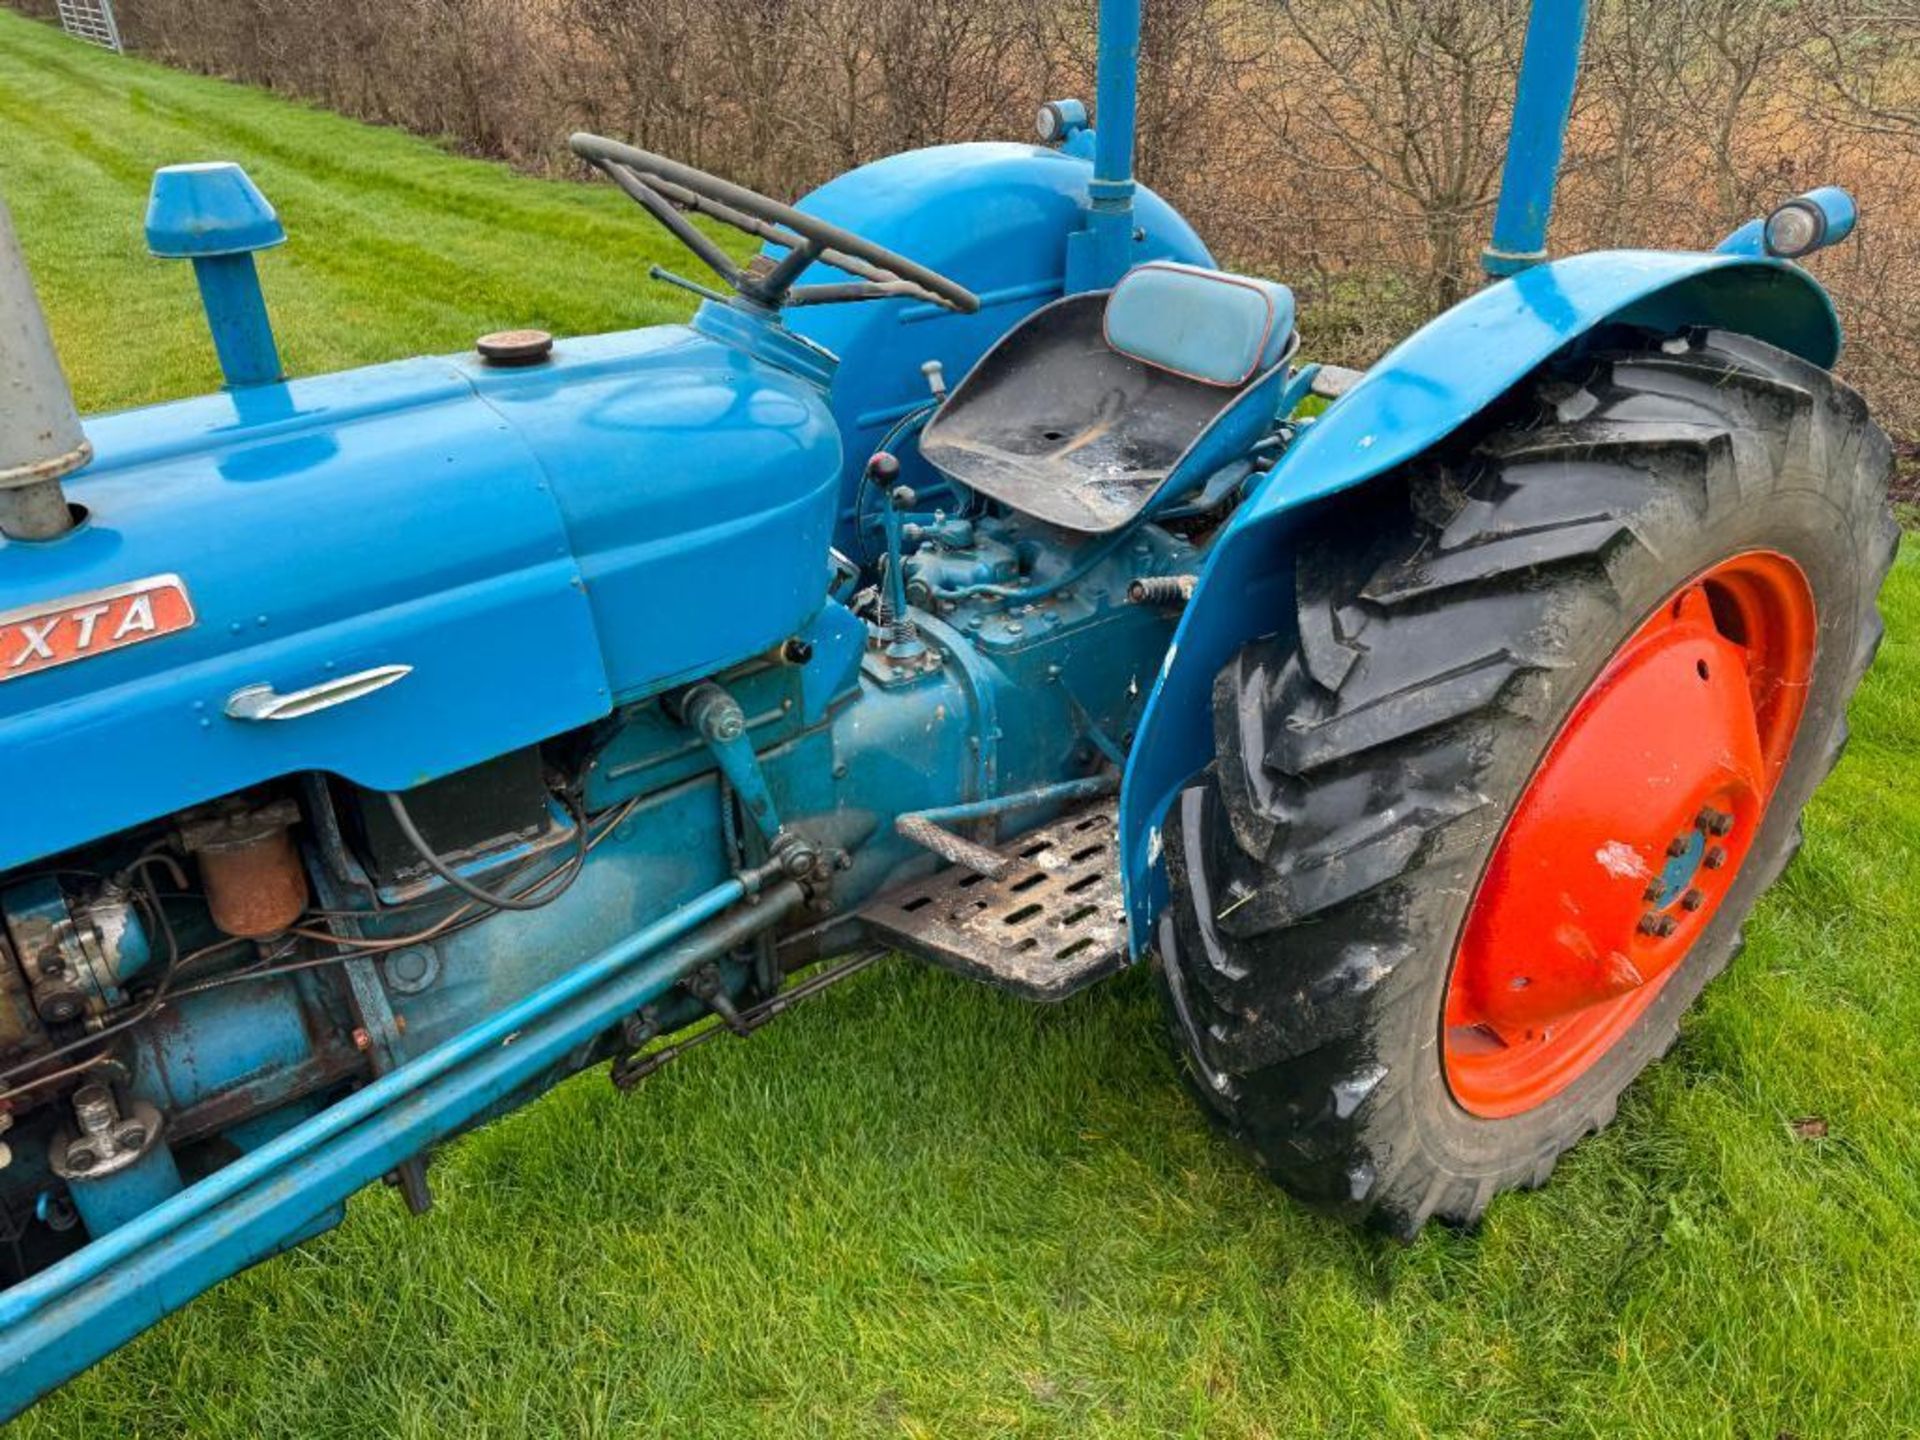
[902, 635]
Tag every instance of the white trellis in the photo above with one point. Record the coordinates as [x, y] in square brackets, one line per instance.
[90, 20]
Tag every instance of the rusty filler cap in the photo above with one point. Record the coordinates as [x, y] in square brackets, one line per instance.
[515, 347]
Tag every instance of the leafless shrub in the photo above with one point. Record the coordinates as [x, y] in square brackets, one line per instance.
[1349, 146]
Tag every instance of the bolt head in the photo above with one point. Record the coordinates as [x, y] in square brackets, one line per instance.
[1666, 926]
[1714, 822]
[1677, 847]
[60, 1007]
[1655, 889]
[638, 1030]
[80, 1159]
[1715, 858]
[362, 1041]
[1693, 900]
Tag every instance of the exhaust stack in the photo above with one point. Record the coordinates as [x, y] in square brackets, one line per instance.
[40, 435]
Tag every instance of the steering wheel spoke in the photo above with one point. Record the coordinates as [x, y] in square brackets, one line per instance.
[650, 200]
[659, 185]
[835, 294]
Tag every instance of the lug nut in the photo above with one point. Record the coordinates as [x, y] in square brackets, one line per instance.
[1715, 858]
[1655, 889]
[1693, 900]
[1659, 926]
[1677, 846]
[1714, 822]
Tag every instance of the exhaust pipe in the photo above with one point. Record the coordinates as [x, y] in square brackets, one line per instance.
[40, 435]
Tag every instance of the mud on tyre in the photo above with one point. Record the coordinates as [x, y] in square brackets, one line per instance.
[1387, 889]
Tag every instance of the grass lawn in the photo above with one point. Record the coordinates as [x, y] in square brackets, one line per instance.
[918, 1207]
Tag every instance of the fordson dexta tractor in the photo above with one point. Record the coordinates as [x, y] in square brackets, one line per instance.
[981, 574]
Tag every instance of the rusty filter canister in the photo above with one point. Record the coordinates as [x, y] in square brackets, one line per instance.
[255, 883]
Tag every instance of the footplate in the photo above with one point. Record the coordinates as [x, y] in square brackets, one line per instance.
[1053, 924]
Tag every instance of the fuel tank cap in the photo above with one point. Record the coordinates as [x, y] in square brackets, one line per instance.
[515, 347]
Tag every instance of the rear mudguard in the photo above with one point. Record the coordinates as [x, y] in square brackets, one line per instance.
[1425, 390]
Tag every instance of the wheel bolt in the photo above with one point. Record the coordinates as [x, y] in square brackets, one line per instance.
[1677, 847]
[1714, 822]
[1655, 889]
[1657, 925]
[1693, 900]
[1715, 857]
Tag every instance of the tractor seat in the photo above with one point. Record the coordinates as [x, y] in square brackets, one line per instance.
[1100, 405]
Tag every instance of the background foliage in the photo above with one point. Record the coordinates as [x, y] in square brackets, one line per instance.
[1349, 147]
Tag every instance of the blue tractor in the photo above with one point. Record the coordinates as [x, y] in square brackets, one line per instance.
[981, 574]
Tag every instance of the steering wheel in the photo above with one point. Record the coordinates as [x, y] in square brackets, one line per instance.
[658, 185]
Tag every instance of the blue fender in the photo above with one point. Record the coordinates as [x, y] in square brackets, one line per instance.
[1423, 391]
[994, 216]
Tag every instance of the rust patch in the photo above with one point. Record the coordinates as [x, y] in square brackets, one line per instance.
[1050, 923]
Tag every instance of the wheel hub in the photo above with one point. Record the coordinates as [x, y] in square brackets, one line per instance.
[1629, 835]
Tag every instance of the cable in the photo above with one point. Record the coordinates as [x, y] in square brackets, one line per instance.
[459, 919]
[465, 886]
[465, 917]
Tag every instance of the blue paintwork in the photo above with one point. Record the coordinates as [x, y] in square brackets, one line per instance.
[1223, 329]
[670, 456]
[106, 1202]
[1837, 210]
[538, 544]
[215, 216]
[1542, 105]
[1676, 876]
[1425, 389]
[1098, 256]
[237, 318]
[196, 211]
[995, 217]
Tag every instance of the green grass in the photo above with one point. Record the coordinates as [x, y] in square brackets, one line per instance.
[919, 1208]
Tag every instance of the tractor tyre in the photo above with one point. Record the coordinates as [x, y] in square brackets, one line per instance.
[1488, 814]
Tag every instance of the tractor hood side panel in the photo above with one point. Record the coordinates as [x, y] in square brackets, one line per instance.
[697, 490]
[426, 514]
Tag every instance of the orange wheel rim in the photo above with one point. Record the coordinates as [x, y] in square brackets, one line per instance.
[1629, 835]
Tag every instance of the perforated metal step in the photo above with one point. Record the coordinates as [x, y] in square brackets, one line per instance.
[1052, 925]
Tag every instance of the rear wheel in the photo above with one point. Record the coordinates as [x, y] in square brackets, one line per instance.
[1481, 825]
